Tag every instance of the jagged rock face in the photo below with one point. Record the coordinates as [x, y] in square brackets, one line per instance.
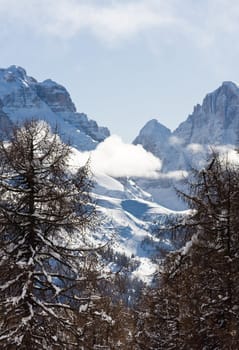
[216, 121]
[15, 89]
[153, 137]
[126, 209]
[55, 96]
[90, 127]
[23, 97]
[158, 139]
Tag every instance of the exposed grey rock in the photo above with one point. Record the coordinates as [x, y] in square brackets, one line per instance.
[154, 137]
[23, 97]
[55, 96]
[214, 122]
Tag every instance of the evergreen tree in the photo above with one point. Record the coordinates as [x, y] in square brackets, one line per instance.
[46, 281]
[196, 303]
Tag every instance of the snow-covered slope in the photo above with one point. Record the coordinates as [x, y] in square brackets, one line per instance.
[133, 220]
[128, 212]
[129, 216]
[23, 97]
[130, 207]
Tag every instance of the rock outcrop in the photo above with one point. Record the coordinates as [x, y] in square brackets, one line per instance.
[215, 122]
[23, 97]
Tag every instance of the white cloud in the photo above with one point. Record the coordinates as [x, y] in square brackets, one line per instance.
[227, 153]
[233, 157]
[174, 175]
[203, 23]
[195, 148]
[118, 159]
[109, 20]
[115, 158]
[176, 141]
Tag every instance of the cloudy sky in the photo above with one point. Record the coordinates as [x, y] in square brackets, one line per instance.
[125, 61]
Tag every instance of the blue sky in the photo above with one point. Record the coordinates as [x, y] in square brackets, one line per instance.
[125, 62]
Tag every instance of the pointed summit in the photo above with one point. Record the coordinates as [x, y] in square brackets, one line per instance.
[154, 137]
[24, 97]
[154, 131]
[229, 85]
[216, 121]
[17, 71]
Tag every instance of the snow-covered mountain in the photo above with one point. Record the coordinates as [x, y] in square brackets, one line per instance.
[158, 139]
[130, 206]
[128, 212]
[22, 97]
[216, 121]
[130, 217]
[213, 124]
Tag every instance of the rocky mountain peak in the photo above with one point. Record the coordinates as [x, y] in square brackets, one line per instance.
[153, 131]
[226, 94]
[22, 96]
[155, 138]
[230, 85]
[16, 72]
[55, 96]
[155, 128]
[216, 121]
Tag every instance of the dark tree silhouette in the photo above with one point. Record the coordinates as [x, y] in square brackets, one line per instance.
[45, 278]
[196, 303]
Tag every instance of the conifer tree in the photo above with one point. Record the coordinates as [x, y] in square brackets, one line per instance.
[196, 302]
[45, 278]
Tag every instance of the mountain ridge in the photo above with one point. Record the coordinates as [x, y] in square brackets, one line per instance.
[129, 206]
[214, 122]
[22, 96]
